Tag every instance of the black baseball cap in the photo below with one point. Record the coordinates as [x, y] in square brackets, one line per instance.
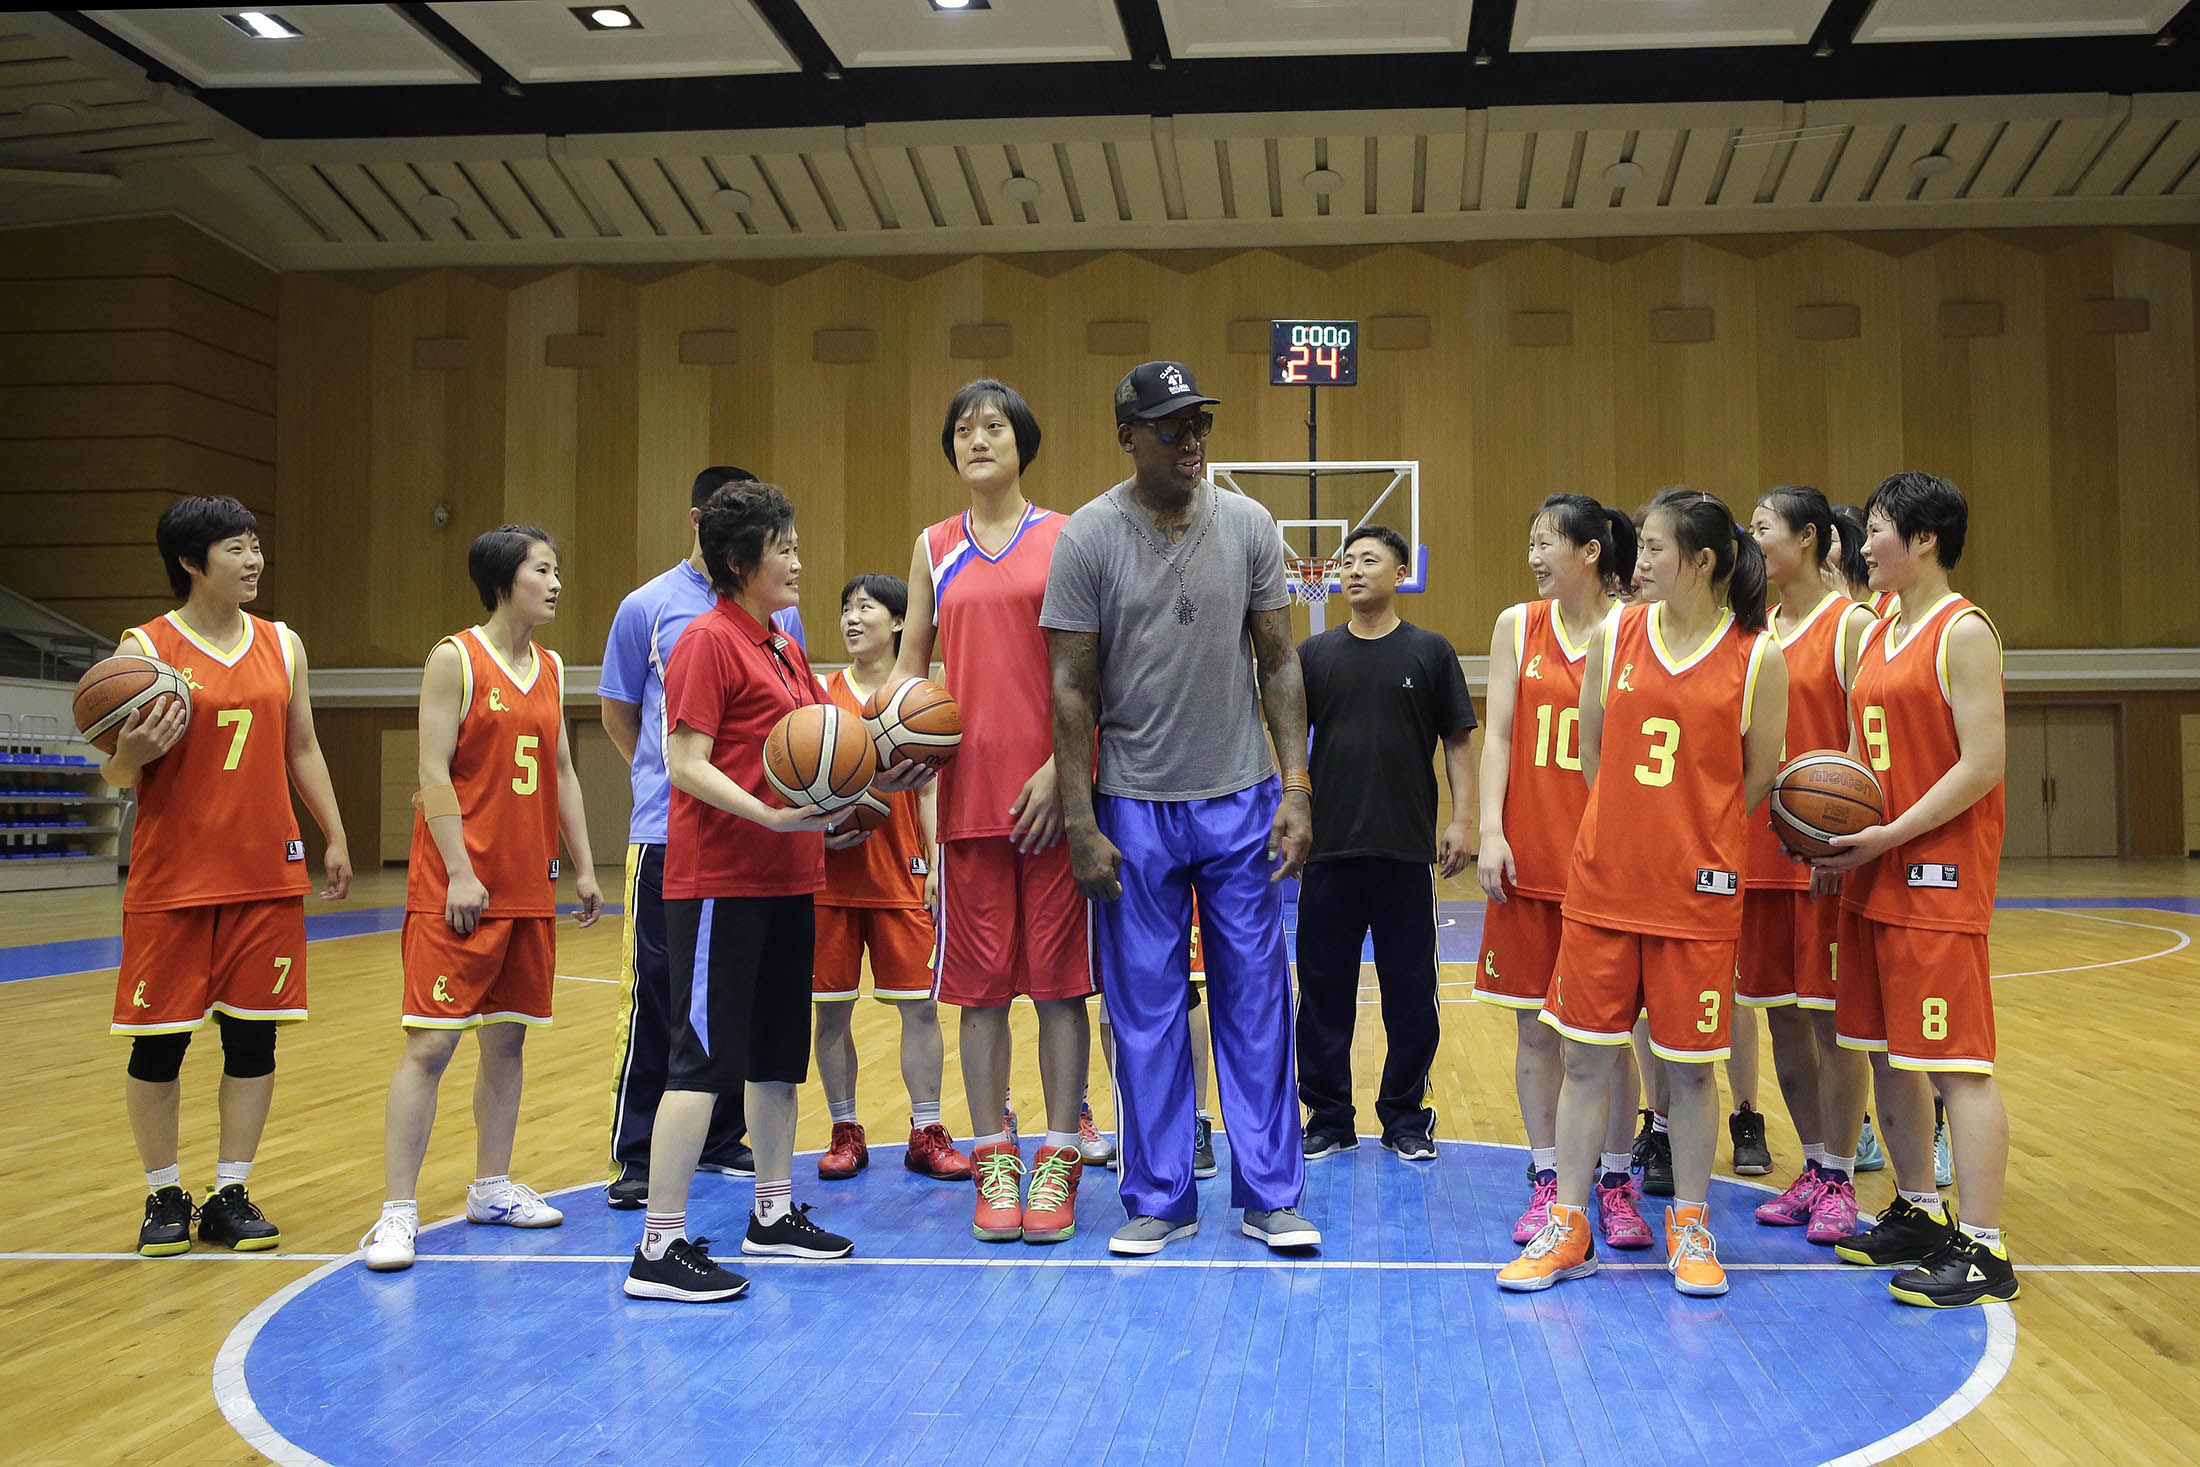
[1156, 389]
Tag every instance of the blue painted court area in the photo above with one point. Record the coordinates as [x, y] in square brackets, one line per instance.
[1392, 1345]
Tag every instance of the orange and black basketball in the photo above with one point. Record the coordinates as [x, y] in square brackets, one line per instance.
[869, 812]
[914, 721]
[116, 688]
[819, 755]
[1821, 794]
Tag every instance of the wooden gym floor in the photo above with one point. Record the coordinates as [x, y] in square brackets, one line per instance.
[113, 1355]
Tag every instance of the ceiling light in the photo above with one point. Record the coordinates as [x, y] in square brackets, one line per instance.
[262, 26]
[439, 206]
[1322, 181]
[1823, 53]
[962, 4]
[1624, 174]
[1018, 189]
[1931, 165]
[2166, 40]
[606, 18]
[733, 200]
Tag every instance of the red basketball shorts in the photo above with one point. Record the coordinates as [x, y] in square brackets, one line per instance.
[902, 944]
[1605, 977]
[1519, 948]
[181, 965]
[501, 972]
[1010, 923]
[1921, 995]
[1786, 956]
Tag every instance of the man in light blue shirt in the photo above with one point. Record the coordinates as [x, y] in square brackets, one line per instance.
[632, 692]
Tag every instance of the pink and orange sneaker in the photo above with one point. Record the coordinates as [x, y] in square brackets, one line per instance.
[847, 1155]
[1539, 1208]
[999, 1171]
[1619, 1215]
[1050, 1212]
[1791, 1209]
[932, 1153]
[1833, 1215]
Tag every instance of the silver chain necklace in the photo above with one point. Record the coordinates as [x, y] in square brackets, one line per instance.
[1184, 607]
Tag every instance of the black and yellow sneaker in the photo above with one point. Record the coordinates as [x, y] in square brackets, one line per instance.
[1962, 1272]
[167, 1227]
[230, 1219]
[1904, 1237]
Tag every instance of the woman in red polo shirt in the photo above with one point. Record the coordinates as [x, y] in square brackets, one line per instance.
[740, 873]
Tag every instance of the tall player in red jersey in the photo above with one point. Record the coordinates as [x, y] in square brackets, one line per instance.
[496, 791]
[1914, 993]
[213, 916]
[1011, 919]
[1581, 554]
[1682, 719]
[1787, 964]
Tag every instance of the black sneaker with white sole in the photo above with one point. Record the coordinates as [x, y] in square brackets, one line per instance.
[630, 1193]
[1203, 1149]
[795, 1236]
[1324, 1142]
[740, 1161]
[1752, 1156]
[1410, 1146]
[685, 1274]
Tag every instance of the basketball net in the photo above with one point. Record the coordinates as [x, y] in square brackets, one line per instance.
[1311, 575]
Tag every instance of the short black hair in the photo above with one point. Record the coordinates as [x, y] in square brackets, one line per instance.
[741, 520]
[497, 555]
[891, 592]
[1383, 534]
[1923, 504]
[712, 479]
[1021, 420]
[191, 527]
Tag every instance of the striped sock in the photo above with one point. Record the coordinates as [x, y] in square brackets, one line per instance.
[842, 1110]
[774, 1200]
[660, 1230]
[923, 1113]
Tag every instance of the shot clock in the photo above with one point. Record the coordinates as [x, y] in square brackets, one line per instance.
[1313, 353]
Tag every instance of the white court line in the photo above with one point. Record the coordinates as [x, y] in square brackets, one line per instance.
[2184, 940]
[2001, 1349]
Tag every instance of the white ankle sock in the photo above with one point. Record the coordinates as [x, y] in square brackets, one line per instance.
[774, 1200]
[1615, 1162]
[923, 1113]
[997, 1138]
[842, 1110]
[1544, 1157]
[660, 1230]
[1060, 1138]
[402, 1204]
[1929, 1203]
[1812, 1151]
[167, 1176]
[1843, 1167]
[231, 1173]
[1991, 1237]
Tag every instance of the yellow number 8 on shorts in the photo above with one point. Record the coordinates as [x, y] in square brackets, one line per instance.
[1936, 1018]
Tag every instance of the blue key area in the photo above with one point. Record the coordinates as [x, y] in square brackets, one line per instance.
[1392, 1345]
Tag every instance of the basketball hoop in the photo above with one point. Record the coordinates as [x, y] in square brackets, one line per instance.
[1312, 573]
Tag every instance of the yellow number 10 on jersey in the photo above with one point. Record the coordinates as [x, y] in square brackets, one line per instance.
[1569, 737]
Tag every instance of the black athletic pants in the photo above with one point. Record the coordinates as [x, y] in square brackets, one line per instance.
[645, 1028]
[1340, 901]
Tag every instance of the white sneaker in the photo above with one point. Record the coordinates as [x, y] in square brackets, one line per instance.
[389, 1244]
[514, 1205]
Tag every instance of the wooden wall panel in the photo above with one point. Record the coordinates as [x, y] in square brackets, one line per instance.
[2158, 487]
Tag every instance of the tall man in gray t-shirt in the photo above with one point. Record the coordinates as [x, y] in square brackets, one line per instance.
[1156, 589]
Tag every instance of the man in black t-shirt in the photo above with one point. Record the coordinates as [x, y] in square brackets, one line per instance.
[1382, 695]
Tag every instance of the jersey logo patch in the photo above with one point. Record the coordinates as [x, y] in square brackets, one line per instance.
[294, 850]
[1933, 873]
[1489, 962]
[1534, 668]
[1626, 671]
[918, 866]
[1717, 883]
[553, 868]
[496, 701]
[441, 992]
[191, 680]
[1408, 682]
[137, 999]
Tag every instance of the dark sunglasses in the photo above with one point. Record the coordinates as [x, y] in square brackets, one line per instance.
[1169, 430]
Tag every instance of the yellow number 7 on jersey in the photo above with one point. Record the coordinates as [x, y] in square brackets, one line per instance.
[242, 718]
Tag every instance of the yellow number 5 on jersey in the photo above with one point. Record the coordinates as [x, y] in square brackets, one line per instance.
[523, 754]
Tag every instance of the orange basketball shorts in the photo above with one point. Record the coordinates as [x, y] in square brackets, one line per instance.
[1010, 923]
[181, 965]
[1922, 996]
[902, 943]
[1605, 977]
[1786, 956]
[1519, 948]
[501, 972]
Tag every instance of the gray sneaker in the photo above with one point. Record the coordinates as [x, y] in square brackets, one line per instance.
[1203, 1149]
[1281, 1228]
[1143, 1235]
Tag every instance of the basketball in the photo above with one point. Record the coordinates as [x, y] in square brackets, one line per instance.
[1822, 794]
[819, 756]
[869, 812]
[914, 721]
[114, 689]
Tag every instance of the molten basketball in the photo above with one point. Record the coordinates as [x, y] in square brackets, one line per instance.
[819, 755]
[1822, 794]
[869, 812]
[116, 688]
[914, 721]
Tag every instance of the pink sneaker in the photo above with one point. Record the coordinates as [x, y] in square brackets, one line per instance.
[1833, 1215]
[1619, 1215]
[1791, 1209]
[1539, 1210]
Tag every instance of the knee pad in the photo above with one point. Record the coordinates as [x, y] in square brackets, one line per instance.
[248, 1047]
[158, 1058]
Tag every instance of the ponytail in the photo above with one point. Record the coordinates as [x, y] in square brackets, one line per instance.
[1855, 571]
[1583, 522]
[1703, 522]
[1620, 539]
